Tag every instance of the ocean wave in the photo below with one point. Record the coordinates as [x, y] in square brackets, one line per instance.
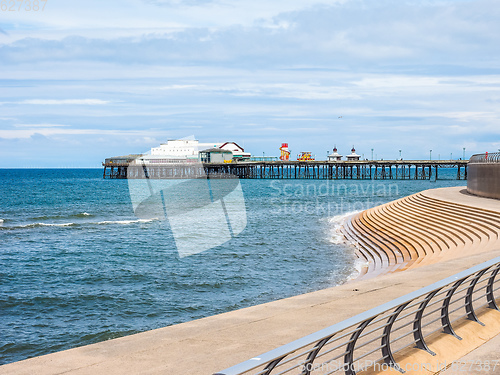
[74, 224]
[83, 214]
[59, 217]
[360, 267]
[35, 225]
[55, 224]
[336, 222]
[124, 222]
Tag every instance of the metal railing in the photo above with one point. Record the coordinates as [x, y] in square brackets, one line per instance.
[378, 335]
[493, 157]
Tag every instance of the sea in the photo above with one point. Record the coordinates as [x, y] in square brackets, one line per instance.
[79, 266]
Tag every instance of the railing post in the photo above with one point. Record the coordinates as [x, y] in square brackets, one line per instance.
[445, 318]
[386, 339]
[349, 356]
[270, 367]
[489, 289]
[313, 354]
[417, 323]
[469, 308]
[145, 170]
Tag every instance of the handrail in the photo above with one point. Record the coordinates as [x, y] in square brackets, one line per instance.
[493, 157]
[359, 332]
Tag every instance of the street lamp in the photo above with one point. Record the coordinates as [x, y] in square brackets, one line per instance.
[372, 153]
[430, 154]
[464, 154]
[451, 155]
[400, 155]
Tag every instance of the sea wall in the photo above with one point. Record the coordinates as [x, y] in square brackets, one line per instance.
[424, 228]
[484, 175]
[484, 180]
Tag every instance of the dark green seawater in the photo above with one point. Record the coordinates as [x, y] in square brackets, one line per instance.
[77, 267]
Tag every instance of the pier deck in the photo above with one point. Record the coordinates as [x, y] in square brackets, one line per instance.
[320, 170]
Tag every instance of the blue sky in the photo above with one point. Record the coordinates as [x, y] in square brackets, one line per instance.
[84, 80]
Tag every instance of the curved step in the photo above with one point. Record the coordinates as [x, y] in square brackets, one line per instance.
[455, 220]
[418, 230]
[490, 221]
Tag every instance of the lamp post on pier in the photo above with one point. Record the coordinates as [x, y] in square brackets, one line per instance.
[400, 158]
[430, 154]
[464, 154]
[372, 153]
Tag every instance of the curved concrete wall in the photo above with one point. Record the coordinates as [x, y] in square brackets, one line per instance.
[483, 179]
[423, 228]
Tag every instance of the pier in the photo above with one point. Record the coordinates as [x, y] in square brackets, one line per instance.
[129, 167]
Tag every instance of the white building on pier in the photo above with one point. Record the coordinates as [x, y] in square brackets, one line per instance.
[335, 156]
[353, 155]
[189, 150]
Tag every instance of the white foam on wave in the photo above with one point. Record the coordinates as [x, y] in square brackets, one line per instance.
[337, 237]
[1, 221]
[34, 225]
[360, 267]
[70, 224]
[55, 224]
[336, 223]
[124, 222]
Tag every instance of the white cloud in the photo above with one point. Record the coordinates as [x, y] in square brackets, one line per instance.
[138, 17]
[181, 87]
[376, 35]
[39, 126]
[65, 102]
[53, 130]
[389, 67]
[60, 102]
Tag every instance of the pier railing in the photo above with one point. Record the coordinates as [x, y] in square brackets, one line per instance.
[493, 157]
[377, 337]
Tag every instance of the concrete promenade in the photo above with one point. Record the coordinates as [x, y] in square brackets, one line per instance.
[211, 344]
[481, 361]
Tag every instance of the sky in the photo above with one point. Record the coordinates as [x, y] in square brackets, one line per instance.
[84, 80]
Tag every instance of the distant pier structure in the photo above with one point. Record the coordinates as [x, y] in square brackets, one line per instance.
[131, 167]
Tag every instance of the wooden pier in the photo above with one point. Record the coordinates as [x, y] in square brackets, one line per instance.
[319, 170]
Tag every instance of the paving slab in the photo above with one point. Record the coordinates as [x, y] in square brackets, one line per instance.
[484, 360]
